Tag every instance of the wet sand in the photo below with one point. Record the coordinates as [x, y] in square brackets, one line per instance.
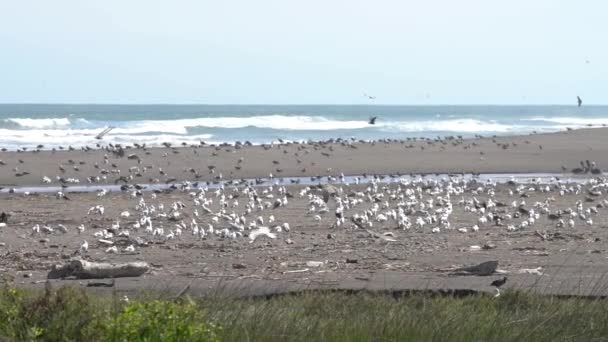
[572, 260]
[539, 153]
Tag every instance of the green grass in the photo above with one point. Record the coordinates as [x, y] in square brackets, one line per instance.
[70, 314]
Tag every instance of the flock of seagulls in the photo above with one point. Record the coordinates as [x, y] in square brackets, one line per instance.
[235, 211]
[586, 167]
[252, 210]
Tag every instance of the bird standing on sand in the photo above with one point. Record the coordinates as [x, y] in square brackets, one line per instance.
[497, 284]
[580, 101]
[84, 248]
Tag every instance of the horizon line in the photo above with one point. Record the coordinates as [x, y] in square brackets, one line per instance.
[296, 104]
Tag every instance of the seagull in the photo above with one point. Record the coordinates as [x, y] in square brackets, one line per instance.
[84, 247]
[372, 120]
[104, 132]
[580, 101]
[369, 96]
[112, 249]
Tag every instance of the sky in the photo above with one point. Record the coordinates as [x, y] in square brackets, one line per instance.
[304, 52]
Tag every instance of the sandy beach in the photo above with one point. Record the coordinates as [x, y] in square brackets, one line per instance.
[314, 252]
[541, 153]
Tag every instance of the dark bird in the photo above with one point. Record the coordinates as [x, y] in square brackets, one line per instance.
[372, 120]
[580, 170]
[369, 96]
[580, 101]
[499, 282]
[104, 132]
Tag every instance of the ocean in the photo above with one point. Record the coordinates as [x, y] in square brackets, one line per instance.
[29, 125]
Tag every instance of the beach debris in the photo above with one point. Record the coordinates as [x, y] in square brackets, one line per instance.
[537, 271]
[388, 236]
[261, 231]
[488, 245]
[297, 271]
[483, 269]
[314, 263]
[106, 242]
[328, 190]
[112, 250]
[82, 269]
[101, 283]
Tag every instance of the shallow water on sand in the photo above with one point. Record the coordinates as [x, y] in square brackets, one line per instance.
[499, 178]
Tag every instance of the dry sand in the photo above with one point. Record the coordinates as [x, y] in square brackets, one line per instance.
[573, 260]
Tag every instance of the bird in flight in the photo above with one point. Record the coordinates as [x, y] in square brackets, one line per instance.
[104, 132]
[372, 120]
[580, 101]
[369, 96]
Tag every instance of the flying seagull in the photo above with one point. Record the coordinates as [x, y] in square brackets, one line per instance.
[369, 96]
[580, 101]
[372, 120]
[104, 132]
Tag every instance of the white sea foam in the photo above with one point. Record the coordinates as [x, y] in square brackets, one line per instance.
[180, 126]
[287, 123]
[279, 122]
[40, 123]
[571, 120]
[50, 138]
[462, 126]
[53, 132]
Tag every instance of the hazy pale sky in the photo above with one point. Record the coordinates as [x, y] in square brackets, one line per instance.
[304, 52]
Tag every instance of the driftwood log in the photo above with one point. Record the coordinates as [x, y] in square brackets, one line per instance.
[484, 269]
[82, 269]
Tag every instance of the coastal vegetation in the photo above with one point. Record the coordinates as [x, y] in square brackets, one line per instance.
[72, 314]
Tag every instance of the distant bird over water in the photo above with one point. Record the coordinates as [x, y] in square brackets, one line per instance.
[580, 101]
[369, 96]
[372, 120]
[104, 132]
